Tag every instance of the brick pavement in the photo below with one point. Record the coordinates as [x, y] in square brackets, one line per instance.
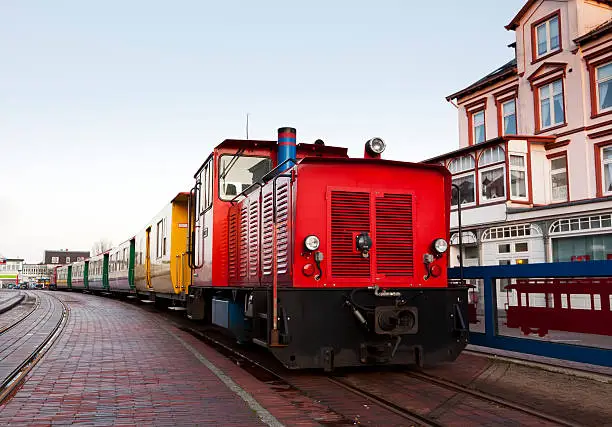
[118, 364]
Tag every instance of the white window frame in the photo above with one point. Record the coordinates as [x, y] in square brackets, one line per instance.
[597, 82]
[551, 103]
[504, 115]
[483, 200]
[54, 260]
[549, 50]
[518, 169]
[67, 259]
[605, 162]
[484, 127]
[556, 172]
[463, 175]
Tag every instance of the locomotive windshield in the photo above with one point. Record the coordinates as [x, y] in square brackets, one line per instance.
[237, 173]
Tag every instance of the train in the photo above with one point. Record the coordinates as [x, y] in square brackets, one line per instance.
[325, 260]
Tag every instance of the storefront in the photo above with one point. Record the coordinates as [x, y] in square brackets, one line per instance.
[587, 238]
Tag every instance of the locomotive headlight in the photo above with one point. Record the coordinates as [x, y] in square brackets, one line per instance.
[375, 146]
[440, 245]
[311, 242]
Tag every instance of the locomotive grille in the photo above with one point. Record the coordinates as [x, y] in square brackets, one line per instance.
[254, 239]
[394, 235]
[350, 215]
[266, 246]
[244, 241]
[233, 244]
[282, 232]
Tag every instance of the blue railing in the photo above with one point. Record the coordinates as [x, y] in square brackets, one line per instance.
[592, 353]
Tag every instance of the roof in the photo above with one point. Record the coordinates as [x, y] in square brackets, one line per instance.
[489, 143]
[517, 19]
[505, 71]
[595, 33]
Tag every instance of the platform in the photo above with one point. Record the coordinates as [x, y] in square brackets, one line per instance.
[116, 363]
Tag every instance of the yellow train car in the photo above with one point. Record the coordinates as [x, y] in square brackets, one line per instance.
[161, 268]
[62, 277]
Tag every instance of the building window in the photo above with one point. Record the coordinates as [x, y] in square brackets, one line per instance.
[478, 127]
[503, 248]
[462, 169]
[558, 178]
[510, 231]
[606, 156]
[547, 36]
[518, 174]
[582, 248]
[509, 117]
[67, 259]
[521, 247]
[580, 224]
[604, 87]
[551, 104]
[80, 258]
[492, 179]
[54, 260]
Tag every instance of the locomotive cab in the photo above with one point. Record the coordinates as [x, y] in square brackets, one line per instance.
[325, 260]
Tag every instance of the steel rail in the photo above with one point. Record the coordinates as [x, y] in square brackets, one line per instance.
[388, 405]
[22, 318]
[15, 378]
[449, 385]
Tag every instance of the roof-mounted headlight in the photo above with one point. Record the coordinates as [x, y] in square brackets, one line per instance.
[375, 146]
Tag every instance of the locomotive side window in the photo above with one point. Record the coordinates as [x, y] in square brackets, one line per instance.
[237, 173]
[206, 190]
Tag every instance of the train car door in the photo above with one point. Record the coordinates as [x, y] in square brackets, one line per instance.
[204, 224]
[148, 258]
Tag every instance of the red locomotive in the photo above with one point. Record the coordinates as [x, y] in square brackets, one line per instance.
[325, 260]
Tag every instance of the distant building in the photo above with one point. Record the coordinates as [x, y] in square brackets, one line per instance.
[534, 163]
[33, 272]
[10, 268]
[64, 257]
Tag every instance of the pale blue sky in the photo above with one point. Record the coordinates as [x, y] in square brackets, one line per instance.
[107, 108]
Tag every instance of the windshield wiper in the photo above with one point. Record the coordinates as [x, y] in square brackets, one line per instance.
[232, 162]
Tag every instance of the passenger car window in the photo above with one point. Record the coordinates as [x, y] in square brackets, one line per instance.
[237, 173]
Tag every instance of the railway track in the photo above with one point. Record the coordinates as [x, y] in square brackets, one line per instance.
[16, 376]
[410, 416]
[358, 385]
[490, 398]
[19, 319]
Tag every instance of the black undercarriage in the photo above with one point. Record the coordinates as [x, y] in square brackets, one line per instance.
[325, 328]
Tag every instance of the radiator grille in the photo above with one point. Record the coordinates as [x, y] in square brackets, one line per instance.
[350, 215]
[394, 235]
[254, 239]
[244, 241]
[233, 243]
[282, 231]
[267, 241]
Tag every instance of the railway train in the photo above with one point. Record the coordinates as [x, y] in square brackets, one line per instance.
[325, 260]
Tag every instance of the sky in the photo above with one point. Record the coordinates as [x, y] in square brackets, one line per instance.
[108, 108]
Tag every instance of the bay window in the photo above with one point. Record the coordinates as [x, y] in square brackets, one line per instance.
[518, 174]
[509, 117]
[478, 127]
[462, 169]
[558, 178]
[547, 37]
[552, 110]
[604, 87]
[492, 177]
